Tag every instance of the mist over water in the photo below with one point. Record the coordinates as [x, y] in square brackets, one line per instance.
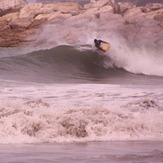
[137, 60]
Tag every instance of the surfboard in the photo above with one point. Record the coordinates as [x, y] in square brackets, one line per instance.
[105, 46]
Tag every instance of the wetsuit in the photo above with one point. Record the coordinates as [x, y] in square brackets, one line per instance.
[98, 44]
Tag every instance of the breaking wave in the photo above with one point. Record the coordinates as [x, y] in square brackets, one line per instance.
[76, 64]
[36, 121]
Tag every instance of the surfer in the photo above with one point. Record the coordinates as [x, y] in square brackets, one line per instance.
[102, 45]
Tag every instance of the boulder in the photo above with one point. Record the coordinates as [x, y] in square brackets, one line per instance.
[108, 9]
[67, 8]
[6, 19]
[31, 10]
[7, 6]
[156, 15]
[47, 9]
[97, 12]
[53, 17]
[21, 23]
[133, 12]
[152, 7]
[122, 8]
[9, 17]
[98, 4]
[90, 15]
[112, 20]
[80, 20]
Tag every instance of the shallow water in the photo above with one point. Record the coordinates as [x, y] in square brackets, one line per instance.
[114, 152]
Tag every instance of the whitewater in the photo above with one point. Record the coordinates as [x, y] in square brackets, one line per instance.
[67, 97]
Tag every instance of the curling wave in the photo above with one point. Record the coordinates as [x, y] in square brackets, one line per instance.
[59, 64]
[67, 64]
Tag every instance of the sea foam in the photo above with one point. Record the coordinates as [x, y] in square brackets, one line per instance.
[36, 121]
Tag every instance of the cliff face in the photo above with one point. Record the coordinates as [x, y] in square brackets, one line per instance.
[135, 25]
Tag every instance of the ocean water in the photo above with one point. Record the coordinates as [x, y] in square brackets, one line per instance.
[65, 101]
[77, 104]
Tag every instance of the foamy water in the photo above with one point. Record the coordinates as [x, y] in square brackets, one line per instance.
[84, 112]
[71, 104]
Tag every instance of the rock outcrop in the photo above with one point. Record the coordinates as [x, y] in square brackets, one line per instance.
[7, 6]
[134, 24]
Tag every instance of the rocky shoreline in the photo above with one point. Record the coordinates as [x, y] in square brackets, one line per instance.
[20, 21]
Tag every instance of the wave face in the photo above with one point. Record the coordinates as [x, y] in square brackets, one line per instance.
[62, 63]
[67, 64]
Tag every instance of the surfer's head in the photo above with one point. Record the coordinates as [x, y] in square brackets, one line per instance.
[97, 42]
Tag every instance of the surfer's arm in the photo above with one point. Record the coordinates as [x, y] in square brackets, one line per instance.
[103, 41]
[101, 49]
